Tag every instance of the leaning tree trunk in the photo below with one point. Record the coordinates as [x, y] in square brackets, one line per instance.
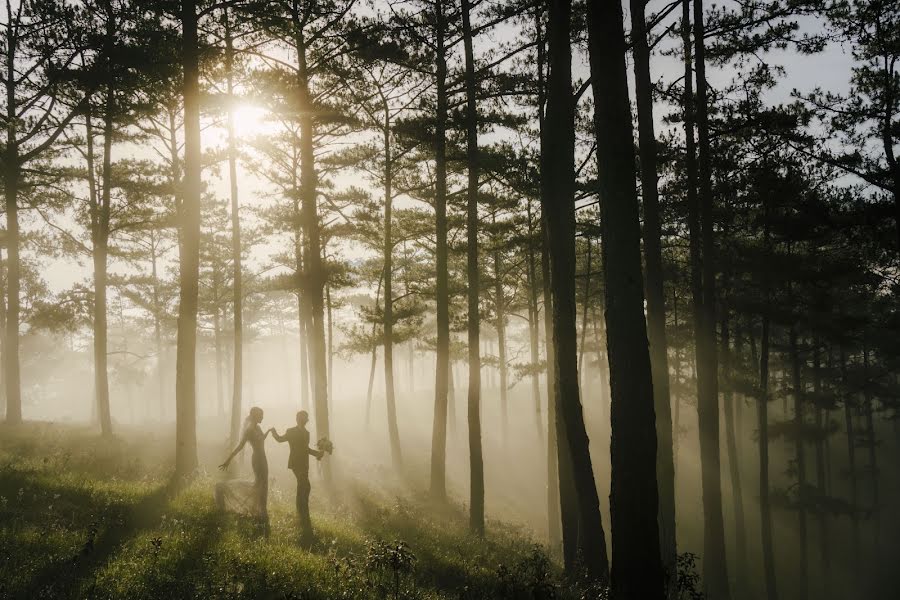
[442, 366]
[656, 306]
[189, 252]
[558, 198]
[476, 461]
[637, 569]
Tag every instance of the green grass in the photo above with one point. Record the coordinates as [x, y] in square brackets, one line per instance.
[85, 517]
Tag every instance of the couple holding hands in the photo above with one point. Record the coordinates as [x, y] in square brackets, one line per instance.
[253, 498]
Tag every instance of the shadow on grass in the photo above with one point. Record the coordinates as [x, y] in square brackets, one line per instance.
[106, 537]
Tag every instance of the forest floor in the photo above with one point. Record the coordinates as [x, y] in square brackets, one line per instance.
[87, 517]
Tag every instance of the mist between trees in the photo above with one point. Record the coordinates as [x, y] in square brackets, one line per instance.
[620, 275]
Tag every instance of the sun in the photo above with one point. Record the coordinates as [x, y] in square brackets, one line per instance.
[249, 120]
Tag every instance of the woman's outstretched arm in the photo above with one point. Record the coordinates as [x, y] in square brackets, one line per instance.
[234, 452]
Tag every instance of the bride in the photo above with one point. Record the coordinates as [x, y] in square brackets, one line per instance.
[243, 496]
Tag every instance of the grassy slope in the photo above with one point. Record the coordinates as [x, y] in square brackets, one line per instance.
[86, 517]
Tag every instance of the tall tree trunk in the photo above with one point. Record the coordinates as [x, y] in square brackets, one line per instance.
[442, 366]
[315, 273]
[500, 326]
[99, 217]
[714, 564]
[157, 323]
[821, 478]
[871, 446]
[800, 458]
[476, 461]
[765, 509]
[584, 314]
[560, 490]
[852, 442]
[189, 254]
[11, 176]
[217, 344]
[329, 310]
[388, 326]
[676, 398]
[729, 402]
[533, 324]
[558, 198]
[2, 333]
[656, 306]
[562, 507]
[637, 569]
[237, 372]
[374, 358]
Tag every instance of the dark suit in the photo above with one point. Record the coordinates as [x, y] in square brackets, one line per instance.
[298, 462]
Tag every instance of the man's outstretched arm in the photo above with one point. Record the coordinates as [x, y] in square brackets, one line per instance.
[278, 438]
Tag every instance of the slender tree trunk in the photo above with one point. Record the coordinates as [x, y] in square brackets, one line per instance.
[99, 240]
[500, 326]
[476, 461]
[329, 310]
[871, 446]
[637, 569]
[584, 315]
[2, 333]
[315, 273]
[237, 372]
[442, 366]
[765, 509]
[388, 326]
[157, 324]
[11, 175]
[558, 198]
[560, 490]
[852, 442]
[217, 344]
[374, 358]
[800, 463]
[533, 324]
[562, 508]
[714, 564]
[821, 479]
[656, 307]
[729, 401]
[676, 398]
[189, 255]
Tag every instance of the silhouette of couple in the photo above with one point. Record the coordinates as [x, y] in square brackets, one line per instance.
[253, 497]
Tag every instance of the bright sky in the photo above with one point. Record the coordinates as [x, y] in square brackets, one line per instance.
[829, 69]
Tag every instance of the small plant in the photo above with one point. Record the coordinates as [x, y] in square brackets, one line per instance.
[155, 547]
[687, 585]
[393, 559]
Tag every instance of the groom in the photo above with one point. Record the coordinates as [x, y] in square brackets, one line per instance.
[298, 462]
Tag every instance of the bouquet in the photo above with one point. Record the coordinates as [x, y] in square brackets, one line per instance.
[325, 445]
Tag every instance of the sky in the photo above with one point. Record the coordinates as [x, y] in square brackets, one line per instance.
[829, 69]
